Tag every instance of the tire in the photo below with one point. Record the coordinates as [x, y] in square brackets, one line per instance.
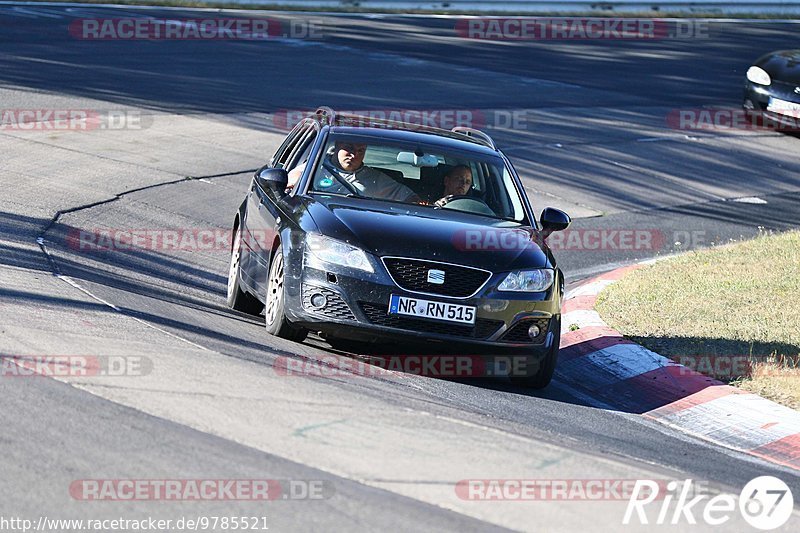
[547, 366]
[238, 300]
[274, 317]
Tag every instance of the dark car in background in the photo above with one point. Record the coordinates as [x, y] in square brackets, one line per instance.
[468, 270]
[772, 85]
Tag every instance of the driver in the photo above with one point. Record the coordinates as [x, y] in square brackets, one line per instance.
[458, 181]
[347, 163]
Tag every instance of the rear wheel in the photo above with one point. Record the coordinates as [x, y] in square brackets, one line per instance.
[547, 366]
[237, 298]
[274, 316]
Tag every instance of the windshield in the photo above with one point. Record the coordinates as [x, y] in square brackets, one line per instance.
[418, 174]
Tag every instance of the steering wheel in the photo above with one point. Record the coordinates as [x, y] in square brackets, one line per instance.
[346, 184]
[444, 200]
[463, 202]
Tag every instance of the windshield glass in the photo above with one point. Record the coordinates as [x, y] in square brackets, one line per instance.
[418, 174]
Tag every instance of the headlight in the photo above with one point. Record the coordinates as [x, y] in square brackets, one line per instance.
[337, 252]
[758, 75]
[528, 280]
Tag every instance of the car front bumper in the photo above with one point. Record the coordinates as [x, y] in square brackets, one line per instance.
[756, 100]
[357, 304]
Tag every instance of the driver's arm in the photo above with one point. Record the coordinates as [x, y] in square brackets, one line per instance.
[294, 175]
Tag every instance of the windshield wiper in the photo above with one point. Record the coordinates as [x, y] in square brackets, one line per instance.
[493, 217]
[326, 193]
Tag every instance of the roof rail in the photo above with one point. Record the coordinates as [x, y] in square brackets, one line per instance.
[478, 134]
[327, 113]
[328, 116]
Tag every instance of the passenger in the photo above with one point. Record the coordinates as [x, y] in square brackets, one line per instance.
[347, 162]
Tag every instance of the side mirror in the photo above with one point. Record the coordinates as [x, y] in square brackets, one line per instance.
[554, 219]
[275, 179]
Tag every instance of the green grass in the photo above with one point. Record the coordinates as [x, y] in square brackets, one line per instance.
[740, 300]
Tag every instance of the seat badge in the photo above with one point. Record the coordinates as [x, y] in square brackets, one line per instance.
[436, 276]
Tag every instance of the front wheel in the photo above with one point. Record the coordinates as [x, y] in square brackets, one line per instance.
[275, 318]
[239, 300]
[547, 366]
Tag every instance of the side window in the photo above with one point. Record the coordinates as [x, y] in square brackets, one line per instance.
[302, 149]
[281, 157]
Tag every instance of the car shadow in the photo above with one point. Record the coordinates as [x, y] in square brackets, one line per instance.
[609, 372]
[157, 276]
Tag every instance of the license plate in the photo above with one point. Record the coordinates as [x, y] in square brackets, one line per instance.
[776, 105]
[402, 305]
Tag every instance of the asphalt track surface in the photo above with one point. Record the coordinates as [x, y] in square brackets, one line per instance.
[389, 448]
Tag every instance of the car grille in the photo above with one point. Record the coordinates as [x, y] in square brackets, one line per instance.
[335, 307]
[519, 333]
[378, 314]
[412, 275]
[785, 91]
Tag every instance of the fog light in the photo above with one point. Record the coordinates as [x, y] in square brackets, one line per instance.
[533, 331]
[318, 300]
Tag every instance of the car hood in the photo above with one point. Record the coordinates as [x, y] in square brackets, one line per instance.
[782, 66]
[402, 230]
